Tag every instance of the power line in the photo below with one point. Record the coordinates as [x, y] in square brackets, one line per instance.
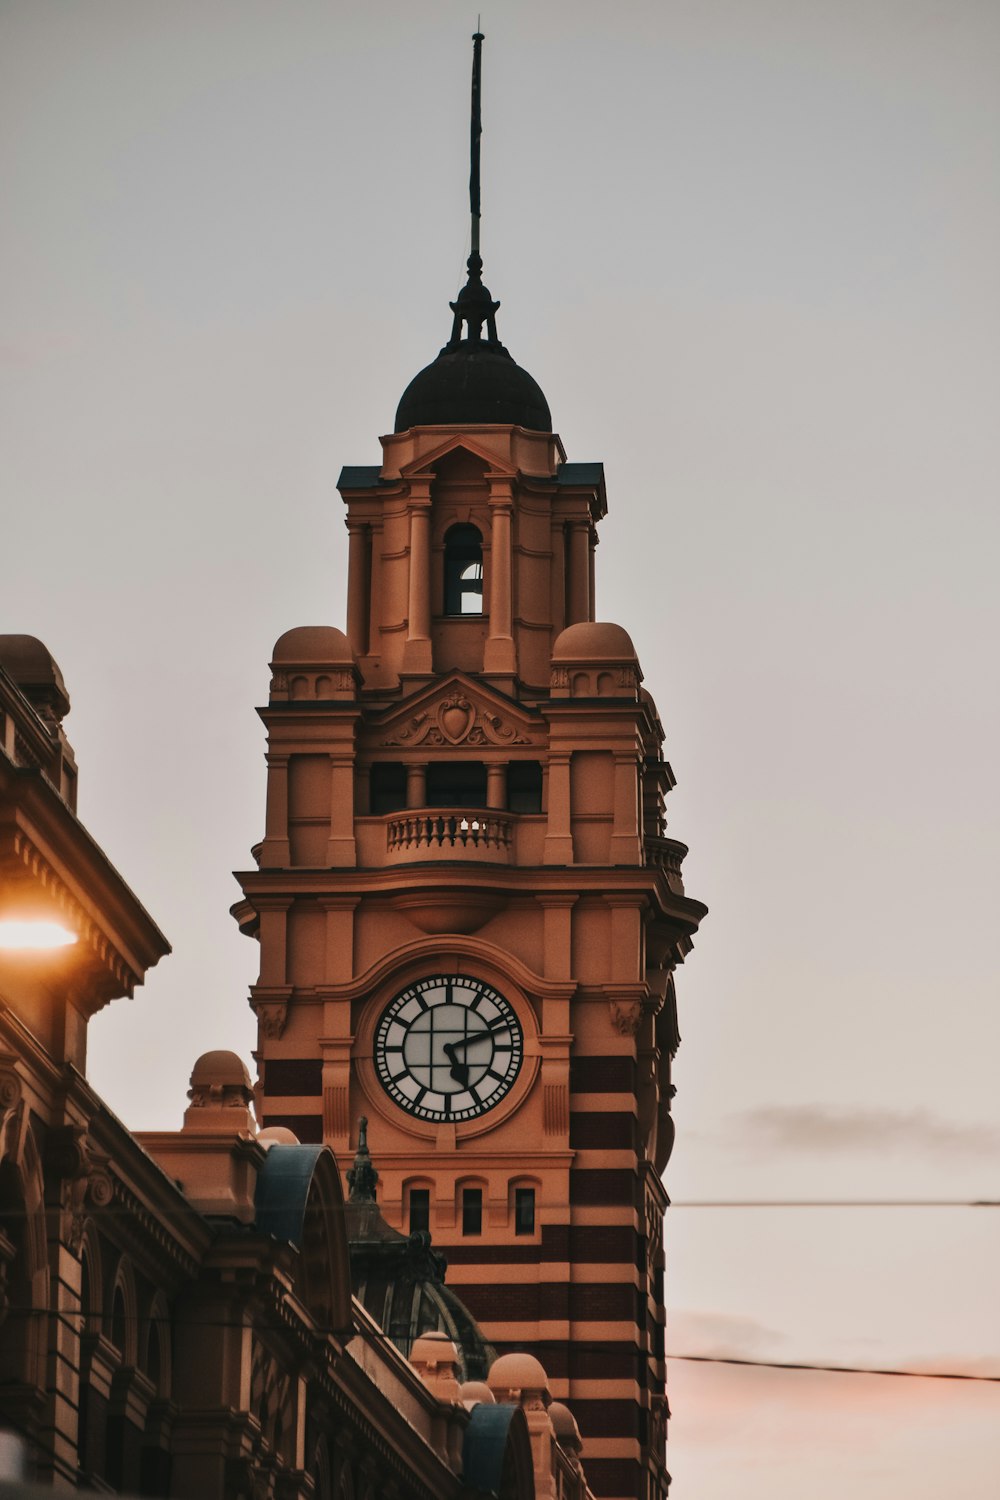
[269, 1325]
[771, 1364]
[836, 1203]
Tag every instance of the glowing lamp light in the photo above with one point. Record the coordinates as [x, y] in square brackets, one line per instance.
[24, 935]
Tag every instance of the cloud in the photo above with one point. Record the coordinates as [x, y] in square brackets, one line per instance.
[818, 1127]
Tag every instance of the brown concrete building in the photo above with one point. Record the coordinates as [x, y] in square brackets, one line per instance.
[176, 1309]
[468, 909]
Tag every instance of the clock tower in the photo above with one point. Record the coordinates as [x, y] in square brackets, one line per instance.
[469, 912]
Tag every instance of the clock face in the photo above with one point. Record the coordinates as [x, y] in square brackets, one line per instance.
[448, 1048]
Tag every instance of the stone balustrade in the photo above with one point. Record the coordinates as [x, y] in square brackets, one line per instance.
[668, 855]
[450, 833]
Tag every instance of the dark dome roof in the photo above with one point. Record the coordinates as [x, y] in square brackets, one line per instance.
[399, 1278]
[473, 383]
[473, 380]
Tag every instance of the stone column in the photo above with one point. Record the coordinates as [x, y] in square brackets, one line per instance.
[499, 653]
[273, 912]
[275, 850]
[579, 571]
[496, 786]
[358, 567]
[416, 785]
[559, 838]
[625, 846]
[592, 577]
[340, 849]
[417, 656]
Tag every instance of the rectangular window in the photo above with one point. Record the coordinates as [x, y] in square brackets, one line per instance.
[420, 1209]
[472, 1210]
[456, 783]
[388, 788]
[524, 786]
[524, 1210]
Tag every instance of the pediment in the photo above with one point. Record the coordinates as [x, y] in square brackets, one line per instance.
[424, 466]
[457, 712]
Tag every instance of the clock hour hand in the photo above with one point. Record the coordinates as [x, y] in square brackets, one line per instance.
[460, 1071]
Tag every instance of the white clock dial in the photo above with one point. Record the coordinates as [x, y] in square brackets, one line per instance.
[448, 1048]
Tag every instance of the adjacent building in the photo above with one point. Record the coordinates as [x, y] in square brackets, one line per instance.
[177, 1314]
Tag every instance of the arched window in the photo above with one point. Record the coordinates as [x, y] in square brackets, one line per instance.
[463, 571]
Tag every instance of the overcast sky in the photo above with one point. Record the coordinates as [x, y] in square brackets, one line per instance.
[748, 248]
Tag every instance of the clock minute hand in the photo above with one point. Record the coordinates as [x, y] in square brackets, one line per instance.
[467, 1041]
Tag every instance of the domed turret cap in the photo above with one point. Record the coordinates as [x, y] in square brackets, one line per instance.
[324, 644]
[471, 385]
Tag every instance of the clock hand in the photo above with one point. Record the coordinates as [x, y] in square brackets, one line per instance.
[467, 1041]
[459, 1071]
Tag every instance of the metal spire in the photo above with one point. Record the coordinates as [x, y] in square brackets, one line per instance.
[474, 305]
[477, 130]
[362, 1177]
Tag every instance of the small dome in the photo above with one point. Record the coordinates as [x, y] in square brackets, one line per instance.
[35, 670]
[434, 1348]
[473, 384]
[220, 1070]
[277, 1135]
[313, 643]
[594, 640]
[517, 1372]
[476, 1393]
[564, 1426]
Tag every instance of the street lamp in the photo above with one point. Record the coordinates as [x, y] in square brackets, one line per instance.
[27, 935]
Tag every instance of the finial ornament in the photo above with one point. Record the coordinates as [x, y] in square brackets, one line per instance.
[362, 1178]
[475, 306]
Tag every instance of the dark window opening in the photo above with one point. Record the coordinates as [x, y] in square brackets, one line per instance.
[154, 1363]
[472, 1210]
[524, 786]
[463, 571]
[524, 1210]
[388, 788]
[420, 1210]
[118, 1334]
[456, 783]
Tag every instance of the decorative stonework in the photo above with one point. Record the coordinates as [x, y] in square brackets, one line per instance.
[271, 1008]
[626, 1016]
[10, 1087]
[456, 721]
[336, 1111]
[271, 1019]
[85, 1182]
[555, 1108]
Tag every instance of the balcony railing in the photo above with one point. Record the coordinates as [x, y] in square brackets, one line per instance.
[450, 833]
[668, 855]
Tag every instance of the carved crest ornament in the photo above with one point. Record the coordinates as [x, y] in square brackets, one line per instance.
[456, 721]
